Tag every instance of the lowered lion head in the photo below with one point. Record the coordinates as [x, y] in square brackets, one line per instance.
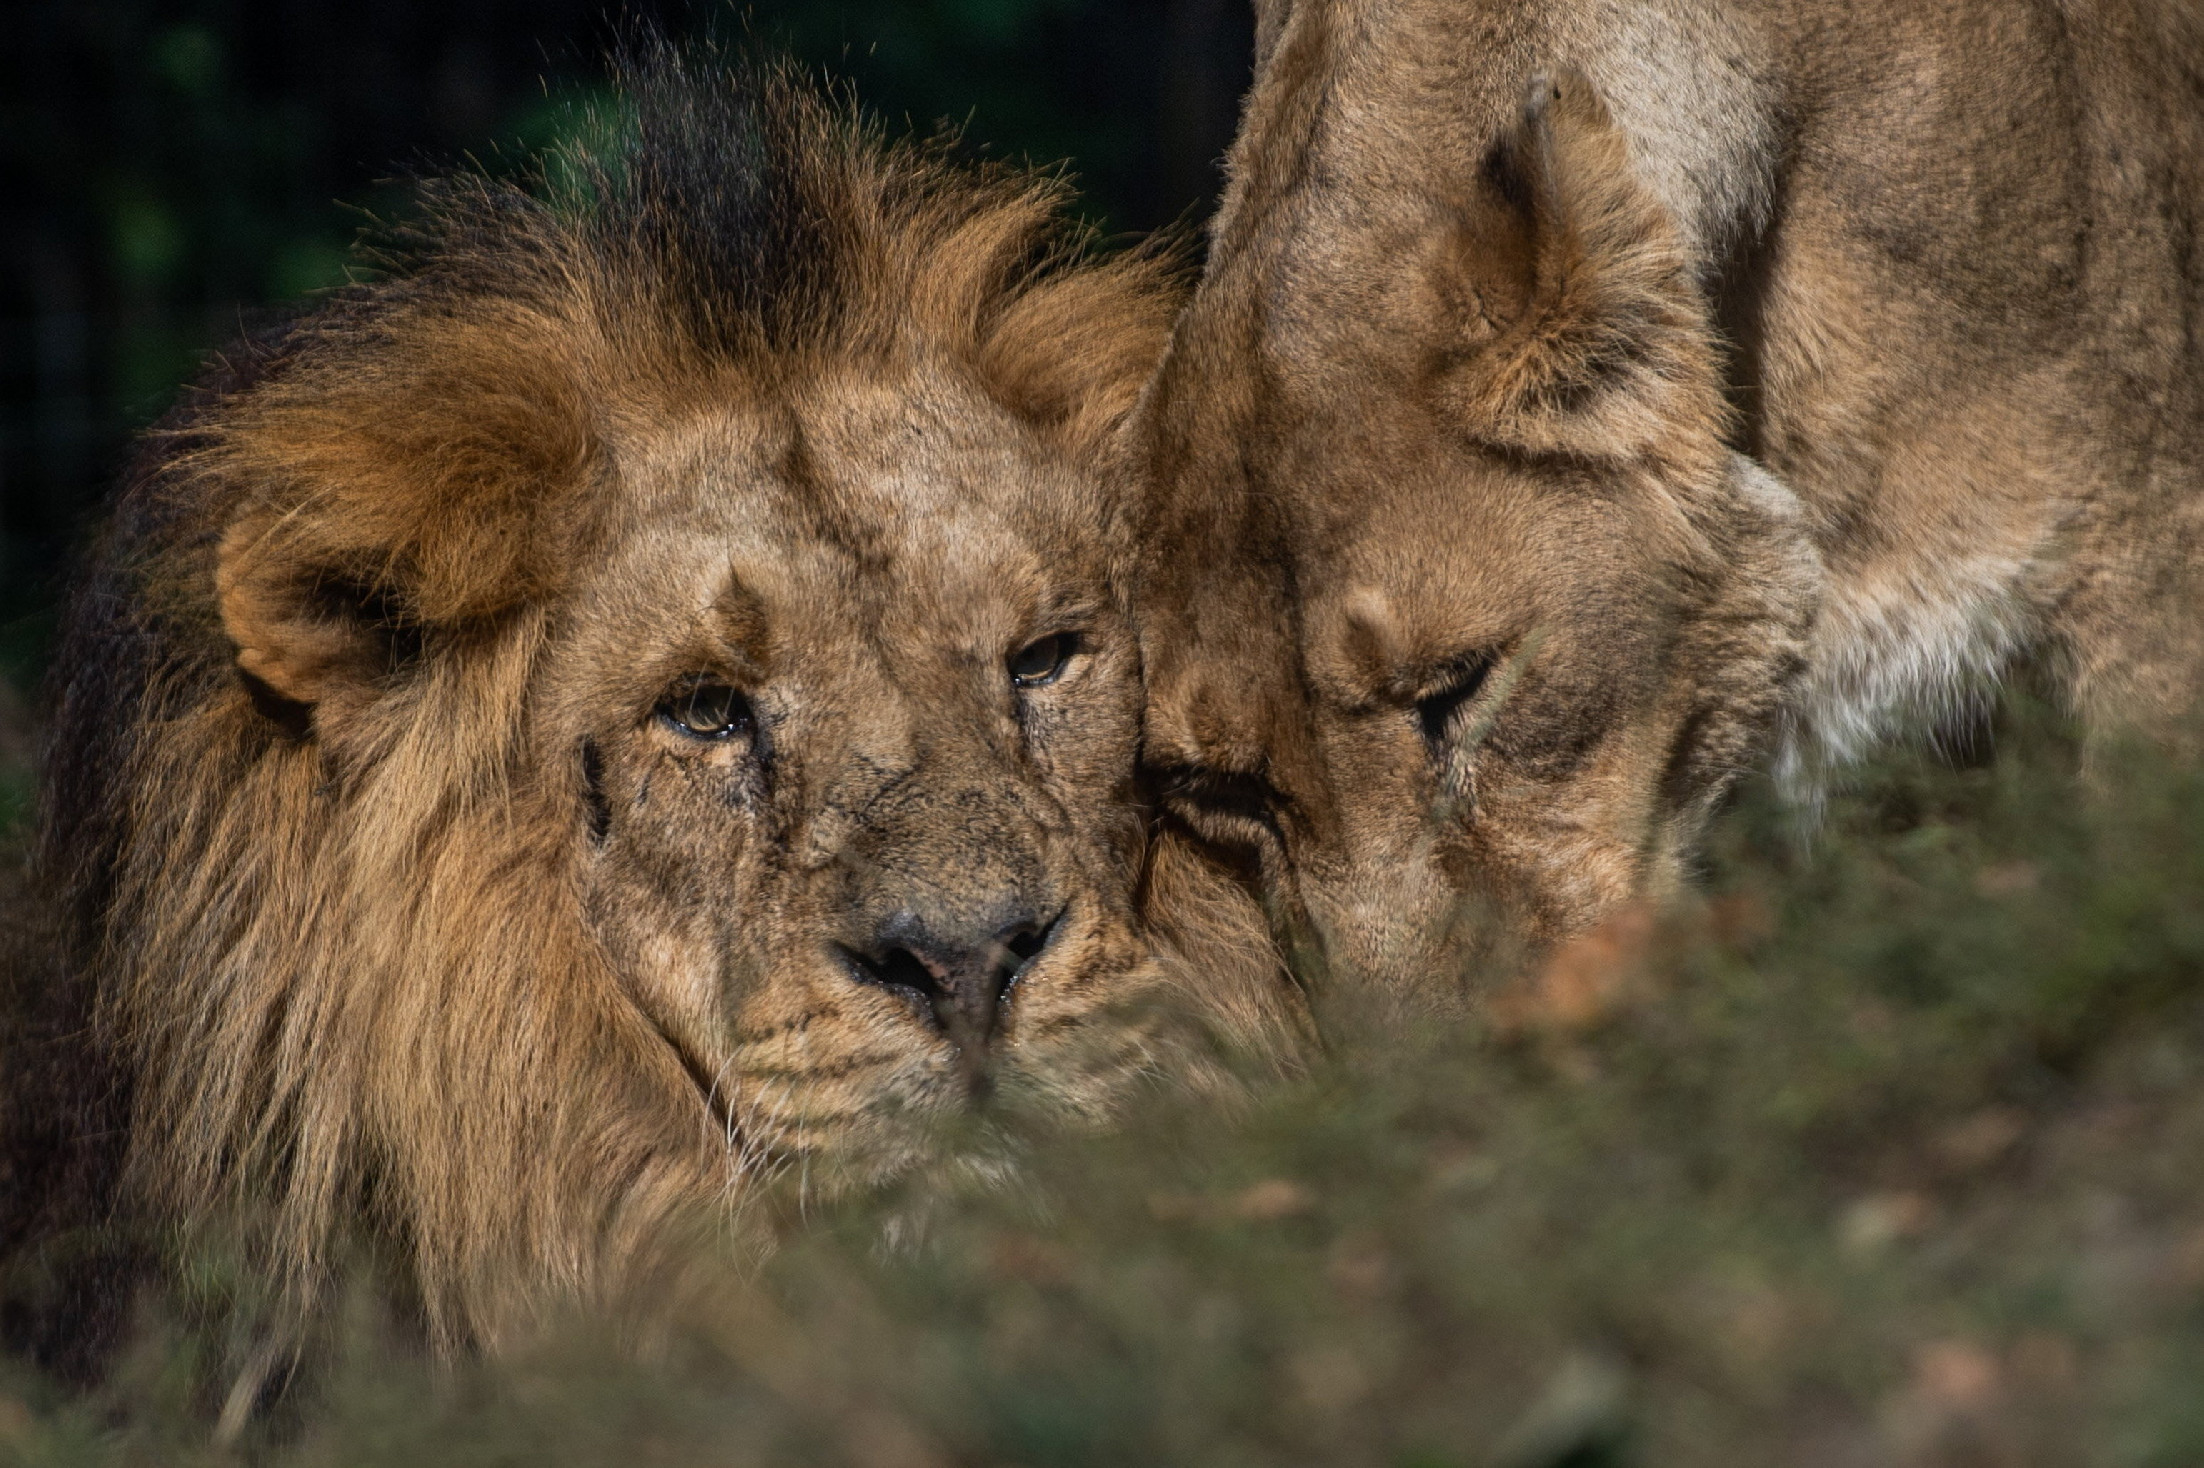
[642, 694]
[1496, 614]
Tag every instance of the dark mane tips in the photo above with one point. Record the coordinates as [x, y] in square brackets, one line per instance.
[745, 209]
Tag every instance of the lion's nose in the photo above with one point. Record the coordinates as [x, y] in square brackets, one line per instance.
[960, 977]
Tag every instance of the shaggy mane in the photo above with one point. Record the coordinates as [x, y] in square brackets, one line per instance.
[344, 978]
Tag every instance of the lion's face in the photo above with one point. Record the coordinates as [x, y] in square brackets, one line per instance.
[852, 710]
[1496, 711]
[643, 693]
[1501, 615]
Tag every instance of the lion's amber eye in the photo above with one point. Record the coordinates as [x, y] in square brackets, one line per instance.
[705, 708]
[1039, 664]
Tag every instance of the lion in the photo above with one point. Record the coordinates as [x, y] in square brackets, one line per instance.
[639, 697]
[1584, 404]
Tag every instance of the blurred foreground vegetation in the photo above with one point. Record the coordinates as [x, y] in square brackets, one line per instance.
[1884, 1149]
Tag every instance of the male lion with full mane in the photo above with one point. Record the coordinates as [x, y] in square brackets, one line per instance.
[641, 696]
[1597, 394]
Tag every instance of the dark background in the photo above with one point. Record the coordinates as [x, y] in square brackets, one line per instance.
[168, 167]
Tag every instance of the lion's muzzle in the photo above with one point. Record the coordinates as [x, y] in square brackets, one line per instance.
[956, 969]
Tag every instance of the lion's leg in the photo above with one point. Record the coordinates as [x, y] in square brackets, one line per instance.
[2130, 626]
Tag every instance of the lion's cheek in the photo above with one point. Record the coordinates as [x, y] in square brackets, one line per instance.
[684, 933]
[1537, 851]
[1568, 853]
[677, 973]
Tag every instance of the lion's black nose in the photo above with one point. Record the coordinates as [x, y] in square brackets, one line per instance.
[960, 973]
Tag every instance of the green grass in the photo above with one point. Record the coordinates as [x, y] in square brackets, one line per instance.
[1883, 1149]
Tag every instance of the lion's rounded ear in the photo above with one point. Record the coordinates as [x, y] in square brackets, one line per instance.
[307, 627]
[426, 476]
[1073, 353]
[1579, 323]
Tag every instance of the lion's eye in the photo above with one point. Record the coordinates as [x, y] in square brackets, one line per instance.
[1440, 714]
[1038, 664]
[1231, 808]
[705, 708]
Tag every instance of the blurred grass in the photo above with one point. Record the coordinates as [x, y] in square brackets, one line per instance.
[1886, 1148]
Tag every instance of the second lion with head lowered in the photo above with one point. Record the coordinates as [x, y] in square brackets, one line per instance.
[1587, 398]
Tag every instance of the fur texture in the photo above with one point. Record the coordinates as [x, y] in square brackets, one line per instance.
[395, 892]
[1782, 372]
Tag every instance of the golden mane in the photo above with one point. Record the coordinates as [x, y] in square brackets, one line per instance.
[334, 980]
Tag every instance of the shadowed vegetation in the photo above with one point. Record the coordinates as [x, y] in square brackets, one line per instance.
[1883, 1149]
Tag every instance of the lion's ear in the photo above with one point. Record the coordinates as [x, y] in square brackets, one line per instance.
[388, 498]
[1579, 325]
[1073, 353]
[306, 628]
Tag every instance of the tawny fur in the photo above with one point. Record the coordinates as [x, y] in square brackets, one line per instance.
[1777, 377]
[389, 904]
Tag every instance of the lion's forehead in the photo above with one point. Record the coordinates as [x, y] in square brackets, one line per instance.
[897, 517]
[1387, 599]
[852, 464]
